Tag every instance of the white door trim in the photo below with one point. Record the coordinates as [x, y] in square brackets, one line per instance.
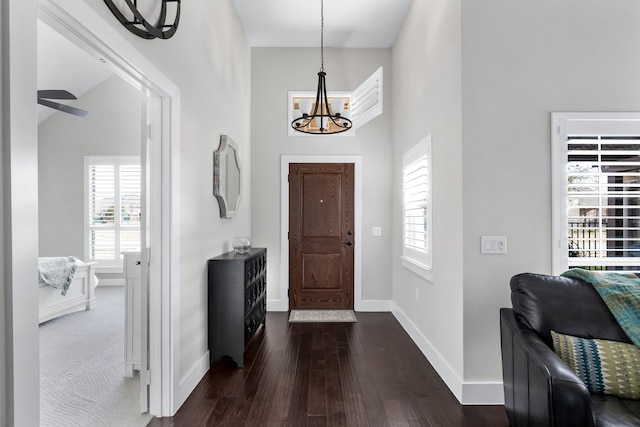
[82, 25]
[19, 371]
[283, 303]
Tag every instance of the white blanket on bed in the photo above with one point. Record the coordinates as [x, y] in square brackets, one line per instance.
[57, 271]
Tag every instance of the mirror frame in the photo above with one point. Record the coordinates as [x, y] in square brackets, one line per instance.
[227, 148]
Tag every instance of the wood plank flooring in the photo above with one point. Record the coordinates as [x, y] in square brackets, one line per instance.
[368, 373]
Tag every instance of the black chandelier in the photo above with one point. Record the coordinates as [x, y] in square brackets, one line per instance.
[143, 28]
[324, 119]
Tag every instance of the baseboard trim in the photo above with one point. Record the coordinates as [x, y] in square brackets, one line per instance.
[467, 393]
[277, 305]
[448, 375]
[189, 382]
[482, 393]
[373, 305]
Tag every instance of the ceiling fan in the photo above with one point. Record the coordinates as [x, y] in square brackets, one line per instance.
[45, 97]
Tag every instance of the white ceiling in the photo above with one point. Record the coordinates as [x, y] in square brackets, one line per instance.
[347, 23]
[272, 23]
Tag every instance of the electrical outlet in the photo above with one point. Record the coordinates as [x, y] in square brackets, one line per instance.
[376, 231]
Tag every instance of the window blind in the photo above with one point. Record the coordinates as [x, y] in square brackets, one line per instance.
[415, 193]
[114, 208]
[603, 202]
[416, 205]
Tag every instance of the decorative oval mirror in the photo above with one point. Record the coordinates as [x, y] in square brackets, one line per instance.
[227, 181]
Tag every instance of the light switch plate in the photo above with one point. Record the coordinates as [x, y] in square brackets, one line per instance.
[494, 245]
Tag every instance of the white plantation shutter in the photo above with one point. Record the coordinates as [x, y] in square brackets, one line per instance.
[102, 203]
[113, 214]
[599, 161]
[416, 201]
[366, 101]
[130, 207]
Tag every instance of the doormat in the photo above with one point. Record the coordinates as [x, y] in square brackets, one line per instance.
[347, 316]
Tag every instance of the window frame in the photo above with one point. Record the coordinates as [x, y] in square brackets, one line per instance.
[564, 125]
[115, 265]
[421, 263]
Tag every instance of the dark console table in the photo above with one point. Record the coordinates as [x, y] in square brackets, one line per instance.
[237, 302]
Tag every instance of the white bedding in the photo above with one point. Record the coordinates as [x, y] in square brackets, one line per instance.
[80, 294]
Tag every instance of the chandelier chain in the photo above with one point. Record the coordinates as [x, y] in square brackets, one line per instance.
[321, 35]
[321, 118]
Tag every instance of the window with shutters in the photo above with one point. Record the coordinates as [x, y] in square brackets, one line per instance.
[113, 212]
[596, 191]
[416, 208]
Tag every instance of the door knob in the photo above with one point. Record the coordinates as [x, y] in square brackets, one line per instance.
[347, 243]
[349, 233]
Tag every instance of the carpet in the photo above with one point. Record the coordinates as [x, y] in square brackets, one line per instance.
[81, 368]
[347, 316]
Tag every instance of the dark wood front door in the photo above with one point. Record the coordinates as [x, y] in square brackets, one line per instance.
[321, 235]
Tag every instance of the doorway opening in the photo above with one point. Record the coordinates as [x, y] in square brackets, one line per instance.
[90, 208]
[161, 156]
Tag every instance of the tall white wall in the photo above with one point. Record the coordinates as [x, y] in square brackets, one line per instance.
[522, 61]
[427, 101]
[112, 127]
[275, 71]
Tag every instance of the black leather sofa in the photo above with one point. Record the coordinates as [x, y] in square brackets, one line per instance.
[539, 388]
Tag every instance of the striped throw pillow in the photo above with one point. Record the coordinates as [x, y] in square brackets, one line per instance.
[606, 367]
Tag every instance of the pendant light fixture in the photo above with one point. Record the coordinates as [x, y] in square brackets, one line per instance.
[325, 119]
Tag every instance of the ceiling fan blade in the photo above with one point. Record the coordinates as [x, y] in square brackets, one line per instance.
[61, 107]
[55, 94]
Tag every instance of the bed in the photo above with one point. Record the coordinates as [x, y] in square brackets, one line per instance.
[80, 294]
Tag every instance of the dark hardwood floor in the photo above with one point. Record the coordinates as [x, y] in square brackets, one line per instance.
[368, 373]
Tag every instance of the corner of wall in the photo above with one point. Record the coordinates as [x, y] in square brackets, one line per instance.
[467, 393]
[446, 372]
[189, 382]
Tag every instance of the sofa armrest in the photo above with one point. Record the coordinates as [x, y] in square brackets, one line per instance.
[540, 389]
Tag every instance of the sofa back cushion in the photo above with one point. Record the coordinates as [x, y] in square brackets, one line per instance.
[565, 305]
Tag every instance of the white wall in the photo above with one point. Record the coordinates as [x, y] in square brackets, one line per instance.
[427, 101]
[275, 71]
[112, 127]
[3, 307]
[523, 60]
[209, 60]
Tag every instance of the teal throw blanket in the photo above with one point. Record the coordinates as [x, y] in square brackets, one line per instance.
[621, 293]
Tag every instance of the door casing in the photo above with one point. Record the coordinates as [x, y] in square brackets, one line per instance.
[285, 160]
[81, 25]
